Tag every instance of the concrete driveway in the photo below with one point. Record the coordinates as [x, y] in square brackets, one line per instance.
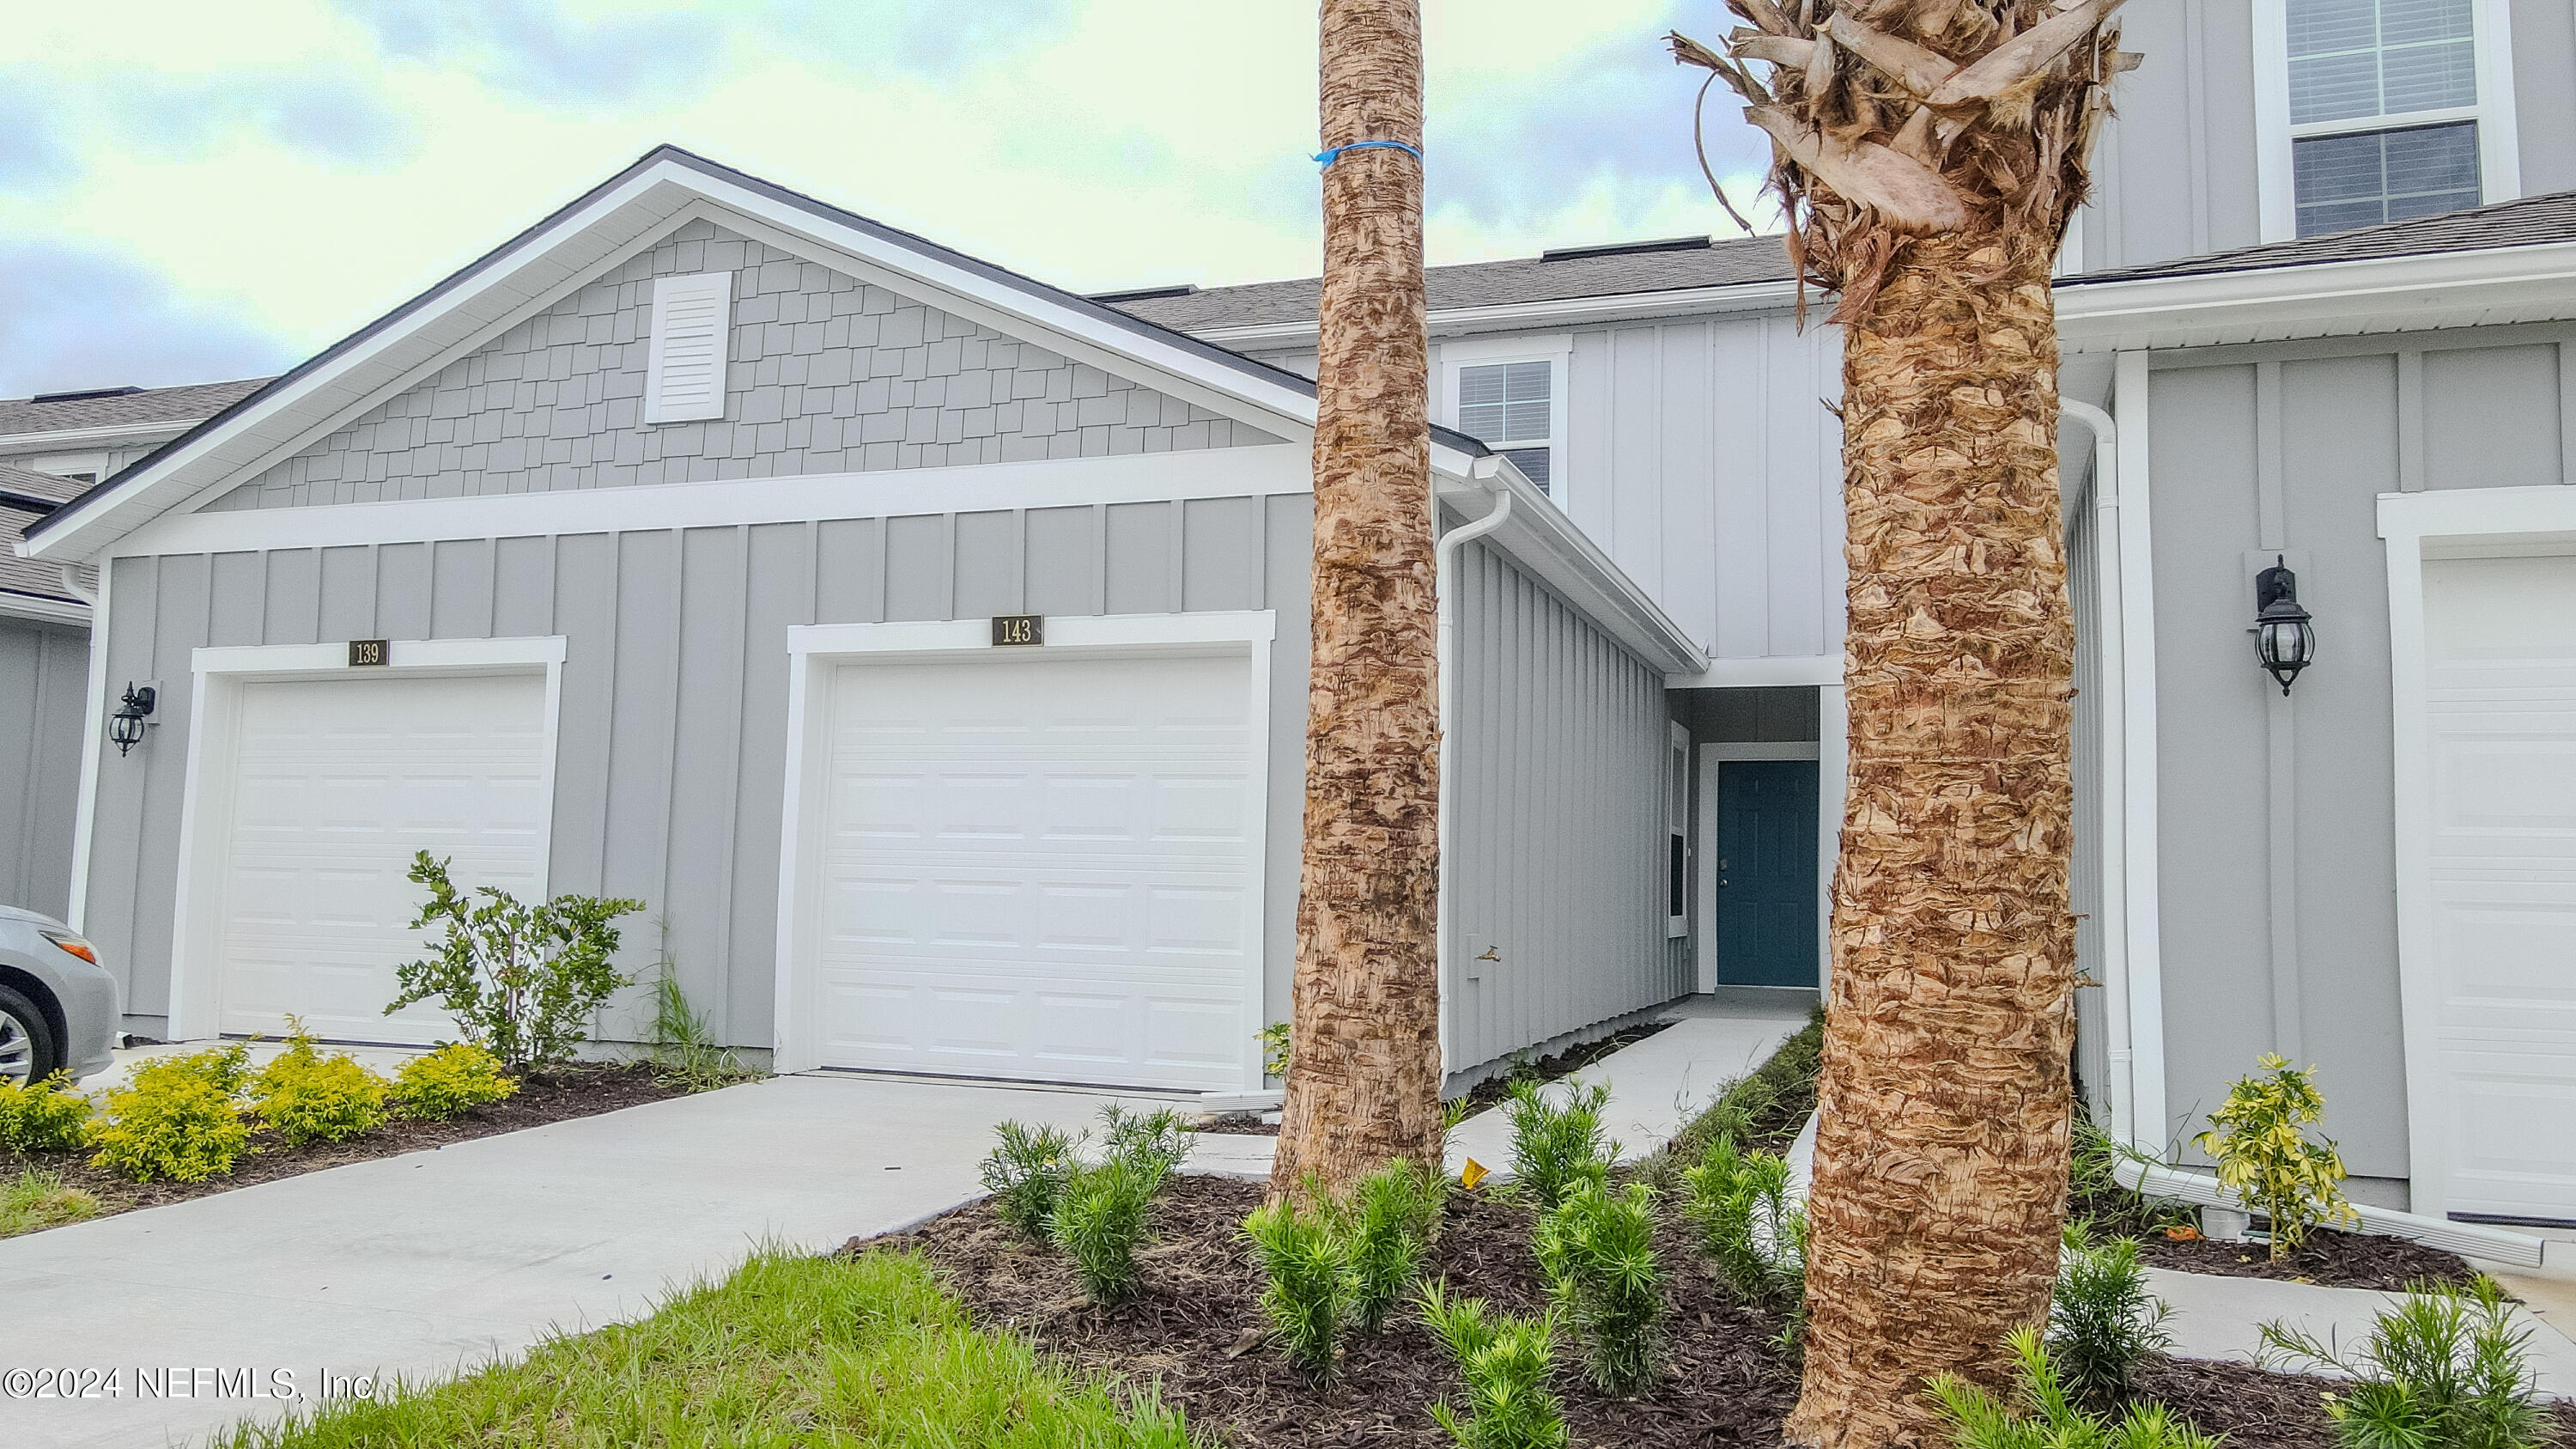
[420, 1264]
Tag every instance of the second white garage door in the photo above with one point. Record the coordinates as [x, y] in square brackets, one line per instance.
[1042, 866]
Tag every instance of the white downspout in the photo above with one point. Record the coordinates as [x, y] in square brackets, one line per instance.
[1444, 570]
[2113, 784]
[2141, 835]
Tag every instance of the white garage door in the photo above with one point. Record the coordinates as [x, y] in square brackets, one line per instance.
[1042, 866]
[334, 784]
[2500, 637]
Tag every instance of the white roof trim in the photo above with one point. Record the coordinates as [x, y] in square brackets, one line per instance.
[15, 605]
[58, 438]
[1556, 312]
[556, 254]
[2535, 283]
[1545, 542]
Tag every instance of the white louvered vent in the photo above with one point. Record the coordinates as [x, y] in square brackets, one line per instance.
[684, 377]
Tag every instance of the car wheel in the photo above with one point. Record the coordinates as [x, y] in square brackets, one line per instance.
[28, 1051]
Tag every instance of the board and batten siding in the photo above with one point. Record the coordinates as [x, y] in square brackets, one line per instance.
[2284, 448]
[671, 756]
[44, 679]
[1559, 777]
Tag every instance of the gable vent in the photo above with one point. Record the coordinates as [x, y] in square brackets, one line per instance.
[684, 376]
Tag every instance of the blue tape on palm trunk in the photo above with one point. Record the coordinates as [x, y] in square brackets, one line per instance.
[1329, 157]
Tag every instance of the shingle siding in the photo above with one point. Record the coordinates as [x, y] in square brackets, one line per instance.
[828, 375]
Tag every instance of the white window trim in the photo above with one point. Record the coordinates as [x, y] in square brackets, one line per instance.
[1829, 828]
[1677, 813]
[815, 649]
[1557, 351]
[205, 821]
[2499, 146]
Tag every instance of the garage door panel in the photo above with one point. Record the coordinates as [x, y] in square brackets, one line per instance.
[1075, 872]
[334, 785]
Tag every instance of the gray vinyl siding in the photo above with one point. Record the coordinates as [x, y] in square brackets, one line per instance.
[670, 764]
[44, 683]
[827, 375]
[1559, 820]
[2310, 432]
[2175, 170]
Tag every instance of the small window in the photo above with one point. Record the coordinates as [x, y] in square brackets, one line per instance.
[1511, 408]
[1677, 835]
[2358, 69]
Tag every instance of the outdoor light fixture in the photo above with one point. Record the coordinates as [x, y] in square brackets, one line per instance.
[126, 725]
[2283, 641]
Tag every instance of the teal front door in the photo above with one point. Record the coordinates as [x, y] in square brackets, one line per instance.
[1766, 873]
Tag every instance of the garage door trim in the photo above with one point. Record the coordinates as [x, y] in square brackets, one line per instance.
[2453, 523]
[205, 825]
[815, 650]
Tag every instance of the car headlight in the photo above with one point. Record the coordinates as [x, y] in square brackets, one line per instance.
[74, 944]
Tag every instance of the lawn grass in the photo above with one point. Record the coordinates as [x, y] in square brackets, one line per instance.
[867, 1352]
[40, 1200]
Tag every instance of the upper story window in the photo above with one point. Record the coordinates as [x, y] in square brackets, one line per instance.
[2388, 109]
[1509, 394]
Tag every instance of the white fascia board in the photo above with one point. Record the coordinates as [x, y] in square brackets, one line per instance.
[968, 488]
[1546, 543]
[2381, 294]
[2474, 518]
[55, 438]
[15, 605]
[1557, 312]
[1768, 671]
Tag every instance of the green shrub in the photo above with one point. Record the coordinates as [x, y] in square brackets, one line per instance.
[1597, 1251]
[1306, 1261]
[1506, 1365]
[522, 981]
[1275, 1050]
[1026, 1172]
[1100, 1219]
[2266, 1159]
[2102, 1320]
[304, 1096]
[39, 1200]
[45, 1116]
[1389, 1222]
[2094, 1190]
[457, 1077]
[1766, 1105]
[1751, 1228]
[1157, 1138]
[2045, 1415]
[2446, 1369]
[686, 1054]
[175, 1120]
[1561, 1144]
[225, 1068]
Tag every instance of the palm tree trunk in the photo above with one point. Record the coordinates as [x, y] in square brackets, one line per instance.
[1941, 1150]
[1364, 1074]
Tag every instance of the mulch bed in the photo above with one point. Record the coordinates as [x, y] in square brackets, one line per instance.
[1726, 1384]
[581, 1090]
[2330, 1258]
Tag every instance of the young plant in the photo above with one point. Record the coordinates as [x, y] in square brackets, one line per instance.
[2094, 1190]
[1389, 1222]
[45, 1116]
[2446, 1369]
[685, 1053]
[304, 1096]
[1558, 1145]
[1752, 1229]
[1506, 1365]
[1159, 1140]
[1597, 1251]
[2266, 1159]
[1275, 1048]
[456, 1078]
[522, 981]
[1306, 1259]
[175, 1118]
[1100, 1218]
[1026, 1173]
[2102, 1320]
[2045, 1415]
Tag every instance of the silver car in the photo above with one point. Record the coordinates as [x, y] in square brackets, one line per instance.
[58, 1006]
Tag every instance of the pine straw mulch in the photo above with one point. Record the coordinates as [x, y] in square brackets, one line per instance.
[1727, 1385]
[580, 1090]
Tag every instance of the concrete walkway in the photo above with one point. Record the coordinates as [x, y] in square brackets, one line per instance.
[2222, 1318]
[432, 1261]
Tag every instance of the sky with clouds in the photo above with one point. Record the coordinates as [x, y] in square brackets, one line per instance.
[191, 192]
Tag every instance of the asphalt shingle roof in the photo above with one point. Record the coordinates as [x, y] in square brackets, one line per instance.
[152, 405]
[26, 575]
[2529, 221]
[1723, 263]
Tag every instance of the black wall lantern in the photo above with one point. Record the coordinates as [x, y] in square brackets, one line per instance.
[125, 726]
[2283, 640]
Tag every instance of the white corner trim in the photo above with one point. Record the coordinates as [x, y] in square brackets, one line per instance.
[2277, 204]
[2141, 830]
[1038, 483]
[2499, 120]
[815, 649]
[93, 745]
[205, 822]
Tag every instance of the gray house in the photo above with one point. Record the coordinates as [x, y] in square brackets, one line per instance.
[44, 666]
[926, 645]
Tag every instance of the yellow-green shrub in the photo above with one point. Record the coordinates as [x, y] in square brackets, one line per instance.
[183, 1128]
[455, 1078]
[46, 1116]
[2266, 1159]
[304, 1096]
